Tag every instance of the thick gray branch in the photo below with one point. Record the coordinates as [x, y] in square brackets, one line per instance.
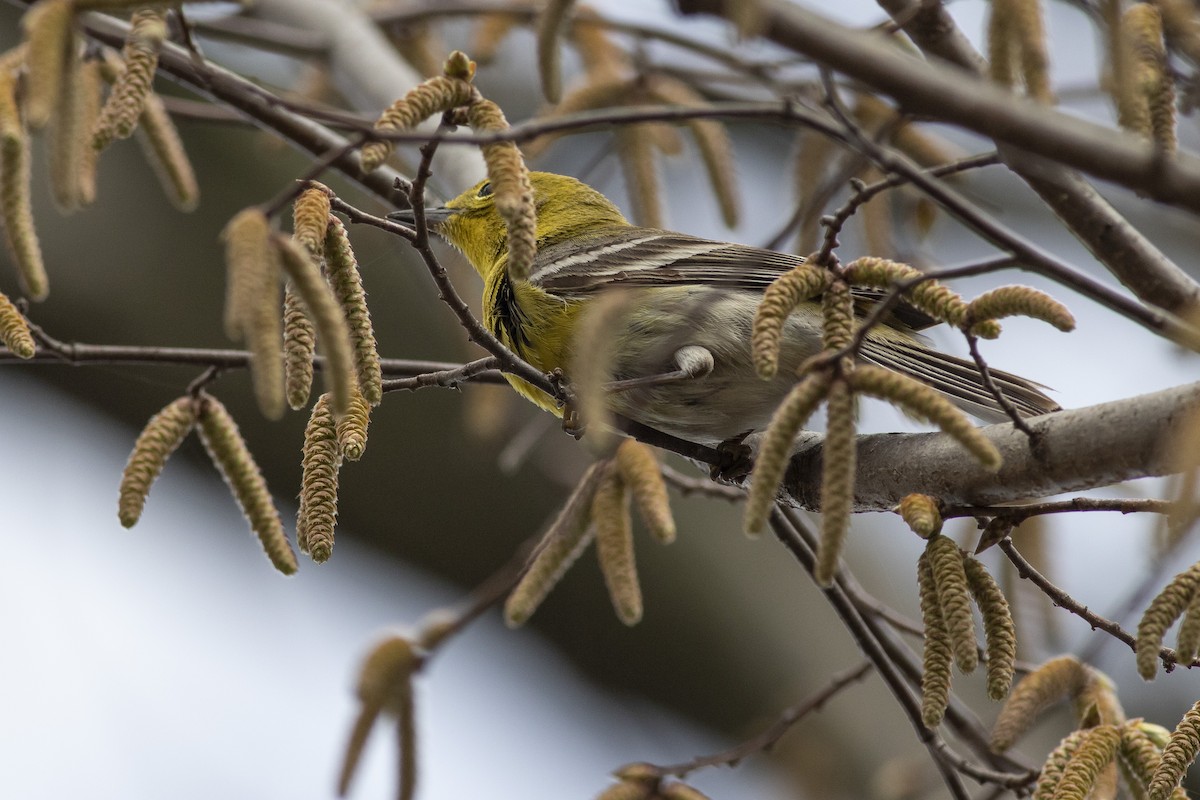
[1113, 241]
[1078, 449]
[943, 92]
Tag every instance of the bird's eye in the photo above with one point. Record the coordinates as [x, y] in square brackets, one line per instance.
[485, 190]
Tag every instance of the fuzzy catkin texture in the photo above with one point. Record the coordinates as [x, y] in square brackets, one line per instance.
[49, 33]
[1054, 680]
[921, 513]
[1177, 756]
[837, 481]
[640, 472]
[252, 304]
[325, 312]
[512, 188]
[127, 100]
[1164, 609]
[776, 446]
[310, 220]
[299, 347]
[347, 284]
[15, 203]
[14, 330]
[229, 453]
[1097, 748]
[937, 656]
[320, 464]
[950, 577]
[781, 297]
[614, 546]
[352, 428]
[163, 150]
[1008, 301]
[161, 436]
[564, 542]
[923, 401]
[434, 96]
[999, 630]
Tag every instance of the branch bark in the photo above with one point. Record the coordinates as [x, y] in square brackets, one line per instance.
[946, 93]
[1077, 449]
[1112, 240]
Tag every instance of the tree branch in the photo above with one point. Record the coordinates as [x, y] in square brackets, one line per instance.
[1112, 240]
[1079, 449]
[945, 93]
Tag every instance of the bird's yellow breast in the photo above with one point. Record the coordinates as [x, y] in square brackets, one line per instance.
[532, 323]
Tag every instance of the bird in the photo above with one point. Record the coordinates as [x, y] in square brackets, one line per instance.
[678, 343]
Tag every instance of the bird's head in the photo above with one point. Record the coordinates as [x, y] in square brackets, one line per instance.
[565, 208]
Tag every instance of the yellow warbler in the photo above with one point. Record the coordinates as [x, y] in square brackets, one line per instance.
[680, 342]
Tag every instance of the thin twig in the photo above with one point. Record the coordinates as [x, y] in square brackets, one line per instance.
[1060, 598]
[765, 741]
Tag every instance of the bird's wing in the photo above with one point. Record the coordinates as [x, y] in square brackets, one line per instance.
[958, 378]
[643, 257]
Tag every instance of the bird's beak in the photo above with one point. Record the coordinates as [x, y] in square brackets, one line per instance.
[432, 215]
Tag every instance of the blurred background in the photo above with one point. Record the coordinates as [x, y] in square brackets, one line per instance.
[172, 659]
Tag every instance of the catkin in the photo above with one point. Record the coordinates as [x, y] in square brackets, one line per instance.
[127, 100]
[1177, 756]
[352, 427]
[14, 330]
[1153, 85]
[776, 446]
[161, 436]
[614, 545]
[837, 481]
[1189, 631]
[299, 346]
[90, 96]
[921, 513]
[837, 310]
[232, 458]
[1164, 609]
[15, 203]
[252, 304]
[934, 298]
[935, 675]
[923, 401]
[320, 464]
[712, 140]
[1059, 677]
[564, 542]
[1007, 301]
[163, 150]
[385, 684]
[640, 472]
[950, 578]
[780, 299]
[49, 37]
[513, 191]
[435, 95]
[549, 29]
[67, 138]
[1056, 763]
[310, 219]
[635, 150]
[1097, 748]
[333, 332]
[999, 632]
[347, 284]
